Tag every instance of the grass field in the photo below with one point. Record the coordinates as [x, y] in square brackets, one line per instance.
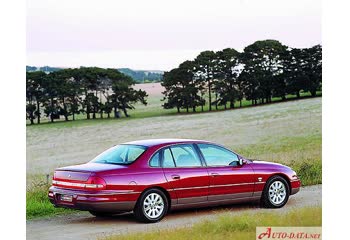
[228, 226]
[287, 132]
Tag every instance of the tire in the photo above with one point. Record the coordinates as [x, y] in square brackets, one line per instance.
[152, 206]
[276, 193]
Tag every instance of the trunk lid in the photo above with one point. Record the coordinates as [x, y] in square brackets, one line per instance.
[83, 172]
[71, 175]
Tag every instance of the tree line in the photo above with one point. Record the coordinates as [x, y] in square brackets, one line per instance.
[142, 76]
[90, 90]
[265, 69]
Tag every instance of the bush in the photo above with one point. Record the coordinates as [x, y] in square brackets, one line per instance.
[310, 172]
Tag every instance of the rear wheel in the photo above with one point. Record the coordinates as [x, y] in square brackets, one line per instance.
[151, 206]
[276, 192]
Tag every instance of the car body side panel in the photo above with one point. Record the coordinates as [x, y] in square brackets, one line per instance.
[140, 180]
[231, 182]
[192, 185]
[265, 170]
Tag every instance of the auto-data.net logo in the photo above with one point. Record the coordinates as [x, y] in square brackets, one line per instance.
[288, 233]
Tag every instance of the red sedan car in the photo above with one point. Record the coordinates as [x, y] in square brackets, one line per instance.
[151, 177]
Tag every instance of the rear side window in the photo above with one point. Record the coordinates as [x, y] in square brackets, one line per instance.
[155, 160]
[185, 156]
[168, 159]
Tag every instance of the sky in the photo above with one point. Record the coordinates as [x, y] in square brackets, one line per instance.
[160, 34]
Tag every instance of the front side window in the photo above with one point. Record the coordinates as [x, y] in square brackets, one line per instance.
[185, 156]
[120, 154]
[218, 156]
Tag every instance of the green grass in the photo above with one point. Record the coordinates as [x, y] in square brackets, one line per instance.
[228, 226]
[38, 205]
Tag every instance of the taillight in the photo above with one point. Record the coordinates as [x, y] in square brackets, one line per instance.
[93, 183]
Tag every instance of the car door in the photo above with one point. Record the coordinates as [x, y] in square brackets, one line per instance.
[228, 179]
[184, 170]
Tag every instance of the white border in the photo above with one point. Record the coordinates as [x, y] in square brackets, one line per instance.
[12, 100]
[336, 119]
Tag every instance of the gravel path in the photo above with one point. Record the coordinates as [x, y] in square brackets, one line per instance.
[82, 225]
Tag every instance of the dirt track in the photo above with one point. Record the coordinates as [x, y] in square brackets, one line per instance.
[84, 226]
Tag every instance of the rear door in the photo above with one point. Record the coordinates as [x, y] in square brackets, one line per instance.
[184, 170]
[228, 179]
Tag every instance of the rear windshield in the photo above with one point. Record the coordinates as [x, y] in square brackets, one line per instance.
[120, 154]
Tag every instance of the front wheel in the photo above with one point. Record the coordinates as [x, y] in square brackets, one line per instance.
[151, 206]
[276, 192]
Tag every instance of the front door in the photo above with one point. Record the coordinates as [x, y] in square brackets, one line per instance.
[228, 179]
[186, 173]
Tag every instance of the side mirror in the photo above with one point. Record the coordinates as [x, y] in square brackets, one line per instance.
[240, 161]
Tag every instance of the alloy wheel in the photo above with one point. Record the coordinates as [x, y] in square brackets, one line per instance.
[153, 205]
[277, 192]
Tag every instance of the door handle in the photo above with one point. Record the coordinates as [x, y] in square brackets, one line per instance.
[175, 176]
[214, 174]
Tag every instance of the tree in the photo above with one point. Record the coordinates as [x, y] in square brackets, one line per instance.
[228, 71]
[182, 88]
[205, 64]
[123, 96]
[71, 91]
[191, 86]
[51, 86]
[313, 69]
[68, 91]
[90, 79]
[107, 106]
[303, 70]
[293, 72]
[262, 69]
[173, 92]
[34, 94]
[30, 110]
[74, 92]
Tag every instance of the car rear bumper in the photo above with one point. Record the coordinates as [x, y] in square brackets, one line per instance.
[101, 201]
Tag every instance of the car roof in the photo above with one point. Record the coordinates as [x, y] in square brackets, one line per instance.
[164, 141]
